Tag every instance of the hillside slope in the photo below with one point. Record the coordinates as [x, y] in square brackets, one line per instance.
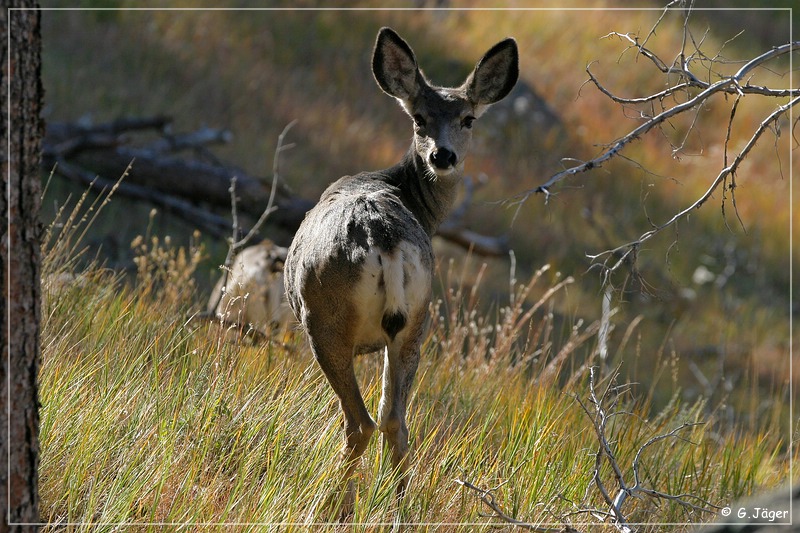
[714, 290]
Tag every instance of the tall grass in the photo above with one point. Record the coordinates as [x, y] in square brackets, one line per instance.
[149, 419]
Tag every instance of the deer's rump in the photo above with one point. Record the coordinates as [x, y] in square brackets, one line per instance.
[365, 267]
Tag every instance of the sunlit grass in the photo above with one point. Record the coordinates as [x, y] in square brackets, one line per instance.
[149, 418]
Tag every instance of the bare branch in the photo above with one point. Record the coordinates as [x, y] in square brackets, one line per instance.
[603, 408]
[271, 207]
[661, 17]
[729, 170]
[487, 497]
[641, 50]
[732, 186]
[641, 100]
[730, 85]
[235, 245]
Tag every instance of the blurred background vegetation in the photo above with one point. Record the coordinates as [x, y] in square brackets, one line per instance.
[716, 293]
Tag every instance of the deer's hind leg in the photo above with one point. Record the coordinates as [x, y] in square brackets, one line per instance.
[337, 364]
[400, 365]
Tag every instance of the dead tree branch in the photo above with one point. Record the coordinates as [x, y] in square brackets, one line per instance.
[196, 184]
[731, 85]
[234, 243]
[600, 410]
[211, 223]
[698, 90]
[621, 253]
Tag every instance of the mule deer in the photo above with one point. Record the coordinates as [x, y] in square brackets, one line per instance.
[358, 272]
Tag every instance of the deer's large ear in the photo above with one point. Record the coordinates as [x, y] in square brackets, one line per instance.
[495, 74]
[394, 66]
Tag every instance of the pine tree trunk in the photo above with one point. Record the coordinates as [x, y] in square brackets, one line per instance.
[21, 146]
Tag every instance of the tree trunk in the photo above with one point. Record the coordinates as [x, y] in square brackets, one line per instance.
[19, 449]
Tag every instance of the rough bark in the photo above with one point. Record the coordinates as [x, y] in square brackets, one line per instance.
[19, 418]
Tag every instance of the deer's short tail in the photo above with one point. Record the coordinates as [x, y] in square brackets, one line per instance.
[394, 314]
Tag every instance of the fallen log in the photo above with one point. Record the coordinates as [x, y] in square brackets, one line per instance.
[191, 187]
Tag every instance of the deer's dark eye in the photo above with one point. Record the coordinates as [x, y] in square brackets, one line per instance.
[467, 121]
[419, 120]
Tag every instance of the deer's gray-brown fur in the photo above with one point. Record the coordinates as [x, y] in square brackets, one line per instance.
[358, 273]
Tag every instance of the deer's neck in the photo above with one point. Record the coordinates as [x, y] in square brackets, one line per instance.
[428, 197]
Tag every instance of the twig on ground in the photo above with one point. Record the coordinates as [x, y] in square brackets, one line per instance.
[487, 497]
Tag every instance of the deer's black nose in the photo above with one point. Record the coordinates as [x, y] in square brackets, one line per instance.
[442, 158]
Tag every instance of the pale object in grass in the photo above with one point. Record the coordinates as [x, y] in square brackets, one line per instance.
[251, 293]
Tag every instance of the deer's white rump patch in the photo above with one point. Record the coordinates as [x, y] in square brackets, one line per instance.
[395, 282]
